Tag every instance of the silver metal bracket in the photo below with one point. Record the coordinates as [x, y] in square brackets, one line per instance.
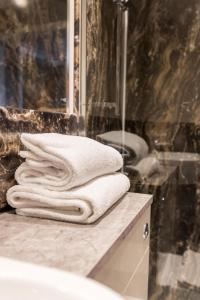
[145, 231]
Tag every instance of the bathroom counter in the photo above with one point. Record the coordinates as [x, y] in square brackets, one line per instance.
[72, 247]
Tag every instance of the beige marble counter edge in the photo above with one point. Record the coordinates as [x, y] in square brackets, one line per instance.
[24, 249]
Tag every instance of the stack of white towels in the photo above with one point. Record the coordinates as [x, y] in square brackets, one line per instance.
[67, 178]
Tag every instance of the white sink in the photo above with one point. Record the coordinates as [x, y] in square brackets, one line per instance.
[23, 281]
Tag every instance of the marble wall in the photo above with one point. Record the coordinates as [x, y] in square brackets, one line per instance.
[163, 107]
[33, 59]
[163, 88]
[12, 123]
[162, 77]
[101, 58]
[163, 97]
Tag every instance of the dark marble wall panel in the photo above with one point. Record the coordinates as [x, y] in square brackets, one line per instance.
[163, 103]
[12, 123]
[101, 57]
[163, 106]
[163, 91]
[164, 65]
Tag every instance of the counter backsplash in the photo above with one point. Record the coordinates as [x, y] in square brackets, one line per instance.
[12, 123]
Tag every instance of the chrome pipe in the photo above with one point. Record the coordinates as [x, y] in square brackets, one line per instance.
[121, 65]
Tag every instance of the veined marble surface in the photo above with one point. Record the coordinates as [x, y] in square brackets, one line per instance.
[71, 247]
[163, 92]
[33, 77]
[163, 61]
[12, 123]
[101, 57]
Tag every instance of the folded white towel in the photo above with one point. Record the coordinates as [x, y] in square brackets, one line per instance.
[146, 167]
[84, 204]
[133, 146]
[60, 162]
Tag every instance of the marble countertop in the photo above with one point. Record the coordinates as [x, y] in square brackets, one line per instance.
[72, 247]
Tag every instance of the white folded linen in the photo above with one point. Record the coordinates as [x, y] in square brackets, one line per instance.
[146, 167]
[131, 145]
[59, 162]
[84, 204]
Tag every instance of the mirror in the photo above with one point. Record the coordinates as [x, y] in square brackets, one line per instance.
[38, 61]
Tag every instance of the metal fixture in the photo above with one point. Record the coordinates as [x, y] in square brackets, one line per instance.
[121, 65]
[145, 231]
[122, 3]
[121, 54]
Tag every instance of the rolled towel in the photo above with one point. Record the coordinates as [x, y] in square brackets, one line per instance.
[60, 162]
[84, 204]
[134, 148]
[146, 167]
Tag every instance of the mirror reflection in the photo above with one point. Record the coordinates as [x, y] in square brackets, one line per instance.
[33, 47]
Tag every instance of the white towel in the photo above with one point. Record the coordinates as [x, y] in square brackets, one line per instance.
[59, 162]
[146, 167]
[133, 146]
[84, 204]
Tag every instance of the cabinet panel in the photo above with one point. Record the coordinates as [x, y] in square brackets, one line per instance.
[138, 285]
[124, 259]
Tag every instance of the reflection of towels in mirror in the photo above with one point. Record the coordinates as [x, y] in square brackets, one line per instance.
[145, 168]
[130, 145]
[127, 153]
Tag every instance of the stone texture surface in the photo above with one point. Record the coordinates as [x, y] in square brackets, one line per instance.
[72, 247]
[12, 123]
[101, 57]
[33, 83]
